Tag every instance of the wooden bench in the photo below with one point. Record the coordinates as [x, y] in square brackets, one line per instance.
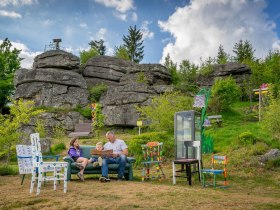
[81, 130]
[217, 118]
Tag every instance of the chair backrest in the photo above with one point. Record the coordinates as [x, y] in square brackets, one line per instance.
[83, 127]
[152, 151]
[36, 149]
[193, 149]
[219, 162]
[24, 157]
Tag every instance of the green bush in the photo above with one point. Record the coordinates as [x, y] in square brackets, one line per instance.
[135, 143]
[8, 170]
[224, 93]
[271, 118]
[273, 163]
[247, 138]
[85, 111]
[160, 113]
[96, 92]
[58, 148]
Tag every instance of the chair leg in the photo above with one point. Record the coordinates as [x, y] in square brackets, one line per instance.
[214, 181]
[39, 183]
[203, 179]
[33, 178]
[143, 173]
[174, 172]
[65, 180]
[55, 179]
[22, 179]
[189, 173]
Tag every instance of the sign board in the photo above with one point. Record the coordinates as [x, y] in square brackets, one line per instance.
[139, 123]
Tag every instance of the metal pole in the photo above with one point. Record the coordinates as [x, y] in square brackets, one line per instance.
[260, 103]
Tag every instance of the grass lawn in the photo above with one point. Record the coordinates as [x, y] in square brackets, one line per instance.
[245, 191]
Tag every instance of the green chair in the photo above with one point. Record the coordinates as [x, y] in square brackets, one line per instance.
[219, 164]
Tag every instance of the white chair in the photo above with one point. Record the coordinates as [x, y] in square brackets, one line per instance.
[24, 157]
[39, 165]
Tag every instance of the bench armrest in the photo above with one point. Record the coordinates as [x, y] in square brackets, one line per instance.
[131, 160]
[68, 159]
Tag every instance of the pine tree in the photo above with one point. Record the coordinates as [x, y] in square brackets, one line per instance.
[172, 67]
[99, 46]
[243, 51]
[134, 44]
[222, 57]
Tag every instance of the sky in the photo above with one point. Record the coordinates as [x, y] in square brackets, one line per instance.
[184, 29]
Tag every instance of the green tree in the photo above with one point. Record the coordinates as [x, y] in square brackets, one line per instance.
[134, 44]
[172, 67]
[222, 56]
[187, 75]
[223, 93]
[10, 134]
[271, 118]
[99, 46]
[86, 55]
[160, 113]
[9, 63]
[121, 52]
[243, 51]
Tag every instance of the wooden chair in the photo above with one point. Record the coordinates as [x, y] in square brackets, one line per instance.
[81, 130]
[219, 164]
[152, 153]
[40, 167]
[189, 165]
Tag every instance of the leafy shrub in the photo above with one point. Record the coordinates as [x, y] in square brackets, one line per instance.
[86, 55]
[135, 143]
[40, 128]
[160, 113]
[86, 111]
[247, 138]
[271, 118]
[141, 78]
[58, 148]
[273, 163]
[8, 170]
[224, 93]
[96, 92]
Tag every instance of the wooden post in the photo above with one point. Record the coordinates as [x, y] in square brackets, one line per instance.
[260, 103]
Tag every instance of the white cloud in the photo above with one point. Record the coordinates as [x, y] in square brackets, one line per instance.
[10, 14]
[26, 54]
[48, 22]
[134, 17]
[102, 32]
[119, 5]
[83, 25]
[147, 34]
[201, 26]
[4, 3]
[121, 16]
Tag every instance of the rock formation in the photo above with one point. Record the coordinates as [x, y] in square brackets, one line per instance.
[54, 81]
[240, 72]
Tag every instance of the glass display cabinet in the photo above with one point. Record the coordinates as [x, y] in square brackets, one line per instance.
[187, 127]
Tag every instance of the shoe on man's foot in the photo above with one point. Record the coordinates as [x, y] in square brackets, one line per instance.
[100, 161]
[104, 179]
[79, 166]
[95, 164]
[81, 176]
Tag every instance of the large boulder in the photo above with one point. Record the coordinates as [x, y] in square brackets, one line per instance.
[105, 69]
[57, 59]
[240, 72]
